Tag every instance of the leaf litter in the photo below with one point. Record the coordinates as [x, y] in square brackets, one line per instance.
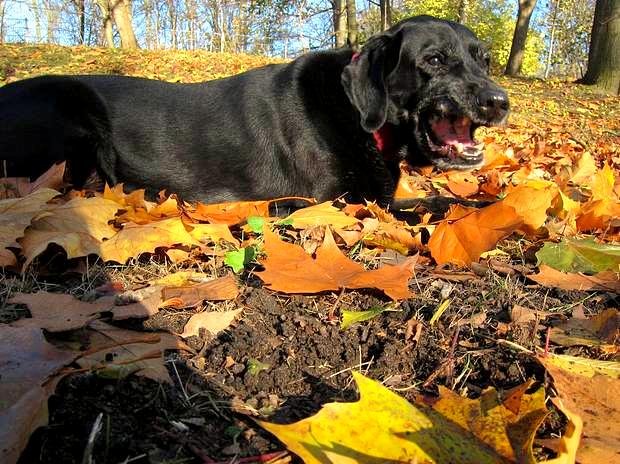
[555, 225]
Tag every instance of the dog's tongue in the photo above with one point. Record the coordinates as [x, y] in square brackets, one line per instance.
[453, 133]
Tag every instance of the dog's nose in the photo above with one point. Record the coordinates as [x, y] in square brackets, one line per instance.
[493, 103]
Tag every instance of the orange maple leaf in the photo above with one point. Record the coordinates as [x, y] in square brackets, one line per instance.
[234, 213]
[289, 269]
[468, 232]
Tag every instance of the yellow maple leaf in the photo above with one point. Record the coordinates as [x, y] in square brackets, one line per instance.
[135, 239]
[384, 427]
[323, 214]
[15, 215]
[79, 226]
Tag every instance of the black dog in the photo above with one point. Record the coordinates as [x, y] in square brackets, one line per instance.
[327, 124]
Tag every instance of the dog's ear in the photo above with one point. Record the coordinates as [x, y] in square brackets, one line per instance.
[364, 78]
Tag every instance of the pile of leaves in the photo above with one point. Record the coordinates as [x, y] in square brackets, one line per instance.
[551, 228]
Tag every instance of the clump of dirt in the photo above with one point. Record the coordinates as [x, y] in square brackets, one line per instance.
[285, 357]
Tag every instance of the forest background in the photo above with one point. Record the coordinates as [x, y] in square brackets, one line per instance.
[551, 38]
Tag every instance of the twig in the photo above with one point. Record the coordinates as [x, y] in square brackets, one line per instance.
[90, 444]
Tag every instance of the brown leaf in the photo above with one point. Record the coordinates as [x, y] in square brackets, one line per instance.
[224, 288]
[15, 215]
[601, 330]
[468, 232]
[27, 363]
[213, 321]
[15, 187]
[596, 399]
[550, 277]
[140, 353]
[289, 269]
[57, 312]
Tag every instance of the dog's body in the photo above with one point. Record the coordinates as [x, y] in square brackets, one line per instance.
[307, 128]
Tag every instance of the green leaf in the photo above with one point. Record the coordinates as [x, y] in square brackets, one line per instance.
[254, 366]
[238, 259]
[256, 224]
[580, 255]
[352, 317]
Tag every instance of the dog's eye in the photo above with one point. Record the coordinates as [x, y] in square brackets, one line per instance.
[434, 60]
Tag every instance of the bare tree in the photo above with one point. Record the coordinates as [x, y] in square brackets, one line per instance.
[352, 24]
[604, 54]
[515, 60]
[463, 9]
[340, 22]
[385, 6]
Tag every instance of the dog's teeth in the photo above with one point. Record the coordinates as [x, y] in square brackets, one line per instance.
[459, 147]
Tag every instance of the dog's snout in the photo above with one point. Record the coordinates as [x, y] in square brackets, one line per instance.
[493, 103]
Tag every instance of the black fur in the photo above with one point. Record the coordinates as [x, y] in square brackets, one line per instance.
[298, 129]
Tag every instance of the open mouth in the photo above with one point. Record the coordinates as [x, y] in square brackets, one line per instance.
[450, 141]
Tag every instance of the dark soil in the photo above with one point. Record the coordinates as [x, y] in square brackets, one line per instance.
[285, 358]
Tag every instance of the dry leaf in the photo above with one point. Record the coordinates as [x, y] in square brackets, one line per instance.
[78, 226]
[601, 330]
[27, 363]
[591, 389]
[289, 269]
[15, 187]
[129, 352]
[550, 277]
[57, 312]
[135, 239]
[467, 232]
[213, 321]
[323, 214]
[224, 288]
[383, 427]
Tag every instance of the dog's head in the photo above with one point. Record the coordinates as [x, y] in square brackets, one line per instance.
[429, 79]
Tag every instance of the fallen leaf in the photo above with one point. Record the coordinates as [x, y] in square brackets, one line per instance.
[58, 312]
[463, 184]
[549, 277]
[117, 352]
[212, 321]
[15, 187]
[15, 215]
[289, 269]
[28, 364]
[383, 427]
[322, 214]
[79, 226]
[224, 288]
[580, 255]
[135, 239]
[507, 425]
[467, 232]
[211, 233]
[601, 330]
[591, 389]
[531, 202]
[352, 317]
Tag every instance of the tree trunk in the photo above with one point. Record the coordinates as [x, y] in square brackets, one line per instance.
[106, 16]
[37, 20]
[122, 18]
[385, 6]
[604, 54]
[340, 23]
[172, 13]
[515, 60]
[2, 6]
[352, 24]
[79, 6]
[554, 26]
[462, 11]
